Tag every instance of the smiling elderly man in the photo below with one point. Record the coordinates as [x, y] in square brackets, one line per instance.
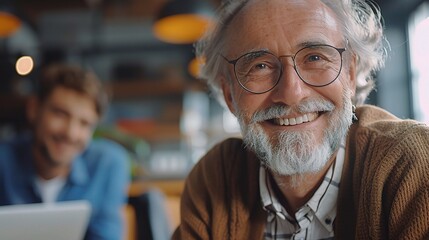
[310, 165]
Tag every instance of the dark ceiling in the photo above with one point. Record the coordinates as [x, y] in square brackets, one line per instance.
[148, 8]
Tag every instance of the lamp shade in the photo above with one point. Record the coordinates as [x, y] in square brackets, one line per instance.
[183, 21]
[9, 23]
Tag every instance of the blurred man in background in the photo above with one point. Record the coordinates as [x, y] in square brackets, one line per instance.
[59, 161]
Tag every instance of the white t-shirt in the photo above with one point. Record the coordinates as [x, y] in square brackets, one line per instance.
[49, 189]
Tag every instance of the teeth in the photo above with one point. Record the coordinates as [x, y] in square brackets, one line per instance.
[286, 121]
[305, 118]
[308, 117]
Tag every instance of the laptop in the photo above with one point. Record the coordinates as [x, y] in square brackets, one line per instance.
[45, 221]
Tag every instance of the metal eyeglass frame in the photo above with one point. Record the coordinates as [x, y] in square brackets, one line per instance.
[234, 61]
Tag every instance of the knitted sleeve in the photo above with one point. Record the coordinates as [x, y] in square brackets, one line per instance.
[393, 197]
[221, 197]
[202, 203]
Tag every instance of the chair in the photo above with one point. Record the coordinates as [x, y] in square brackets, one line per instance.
[146, 217]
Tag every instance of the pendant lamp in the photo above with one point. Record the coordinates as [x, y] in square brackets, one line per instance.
[183, 21]
[9, 22]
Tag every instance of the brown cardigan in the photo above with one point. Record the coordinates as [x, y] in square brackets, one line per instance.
[384, 191]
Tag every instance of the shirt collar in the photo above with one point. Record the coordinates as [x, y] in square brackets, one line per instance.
[269, 201]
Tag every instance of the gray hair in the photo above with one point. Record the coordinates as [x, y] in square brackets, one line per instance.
[362, 26]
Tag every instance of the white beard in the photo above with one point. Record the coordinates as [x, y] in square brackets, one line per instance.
[297, 152]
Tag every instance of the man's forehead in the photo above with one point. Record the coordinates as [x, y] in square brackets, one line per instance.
[304, 21]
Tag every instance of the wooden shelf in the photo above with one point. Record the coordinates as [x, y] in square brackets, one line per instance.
[139, 88]
[151, 88]
[150, 130]
[166, 127]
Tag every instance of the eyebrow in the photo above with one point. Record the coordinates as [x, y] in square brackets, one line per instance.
[250, 56]
[253, 50]
[311, 43]
[304, 44]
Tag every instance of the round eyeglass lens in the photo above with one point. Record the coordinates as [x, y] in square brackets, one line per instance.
[258, 72]
[318, 65]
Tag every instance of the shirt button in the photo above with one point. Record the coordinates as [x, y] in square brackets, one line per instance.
[328, 221]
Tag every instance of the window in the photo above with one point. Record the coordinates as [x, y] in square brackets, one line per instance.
[419, 55]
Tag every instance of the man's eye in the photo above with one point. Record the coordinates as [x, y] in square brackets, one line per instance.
[261, 66]
[314, 58]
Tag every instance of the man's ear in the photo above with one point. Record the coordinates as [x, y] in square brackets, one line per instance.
[33, 105]
[227, 94]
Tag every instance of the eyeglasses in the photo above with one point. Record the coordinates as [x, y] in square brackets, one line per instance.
[260, 71]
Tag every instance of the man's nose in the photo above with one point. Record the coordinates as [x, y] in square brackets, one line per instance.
[72, 130]
[291, 89]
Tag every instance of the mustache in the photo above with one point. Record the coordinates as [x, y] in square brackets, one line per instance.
[279, 110]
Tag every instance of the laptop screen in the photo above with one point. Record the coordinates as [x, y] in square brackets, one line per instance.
[41, 221]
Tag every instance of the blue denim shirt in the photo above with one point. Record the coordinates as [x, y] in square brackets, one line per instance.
[100, 175]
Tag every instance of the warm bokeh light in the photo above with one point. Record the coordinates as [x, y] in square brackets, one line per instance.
[181, 28]
[194, 67]
[24, 65]
[8, 24]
